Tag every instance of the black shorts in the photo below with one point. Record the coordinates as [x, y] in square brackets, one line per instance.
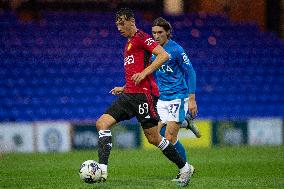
[139, 105]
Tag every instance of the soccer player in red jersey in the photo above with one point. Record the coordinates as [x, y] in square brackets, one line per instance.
[138, 97]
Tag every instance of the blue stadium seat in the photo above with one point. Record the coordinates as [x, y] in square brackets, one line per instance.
[63, 67]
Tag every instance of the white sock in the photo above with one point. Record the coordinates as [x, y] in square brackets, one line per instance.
[185, 168]
[103, 167]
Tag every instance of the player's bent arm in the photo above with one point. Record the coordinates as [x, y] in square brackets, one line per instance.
[161, 57]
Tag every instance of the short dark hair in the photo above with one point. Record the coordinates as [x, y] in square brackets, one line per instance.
[127, 12]
[164, 24]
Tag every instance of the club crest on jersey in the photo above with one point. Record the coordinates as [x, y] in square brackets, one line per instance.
[129, 46]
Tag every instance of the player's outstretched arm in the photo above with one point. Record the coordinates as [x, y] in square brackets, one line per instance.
[161, 57]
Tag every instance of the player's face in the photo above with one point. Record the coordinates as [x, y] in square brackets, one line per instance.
[124, 26]
[160, 35]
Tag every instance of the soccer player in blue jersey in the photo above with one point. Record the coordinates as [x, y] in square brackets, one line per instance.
[176, 80]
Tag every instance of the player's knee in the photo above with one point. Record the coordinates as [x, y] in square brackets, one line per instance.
[153, 140]
[101, 124]
[170, 137]
[105, 122]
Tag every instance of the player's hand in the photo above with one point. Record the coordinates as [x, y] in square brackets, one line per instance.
[192, 107]
[138, 77]
[116, 90]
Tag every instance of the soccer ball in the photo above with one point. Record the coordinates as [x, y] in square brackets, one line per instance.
[90, 171]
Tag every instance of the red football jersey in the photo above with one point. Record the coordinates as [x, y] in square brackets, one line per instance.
[137, 54]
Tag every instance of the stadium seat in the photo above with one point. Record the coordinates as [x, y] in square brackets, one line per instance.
[64, 66]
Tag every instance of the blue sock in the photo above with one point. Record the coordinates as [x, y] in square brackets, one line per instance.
[178, 146]
[163, 131]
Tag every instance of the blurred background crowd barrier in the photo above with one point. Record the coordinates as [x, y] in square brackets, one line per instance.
[59, 60]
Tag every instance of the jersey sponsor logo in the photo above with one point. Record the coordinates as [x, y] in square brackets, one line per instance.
[129, 60]
[166, 68]
[185, 58]
[149, 41]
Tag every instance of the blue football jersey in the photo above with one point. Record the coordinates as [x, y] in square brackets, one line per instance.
[175, 78]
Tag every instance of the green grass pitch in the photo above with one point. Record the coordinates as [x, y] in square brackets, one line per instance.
[219, 167]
